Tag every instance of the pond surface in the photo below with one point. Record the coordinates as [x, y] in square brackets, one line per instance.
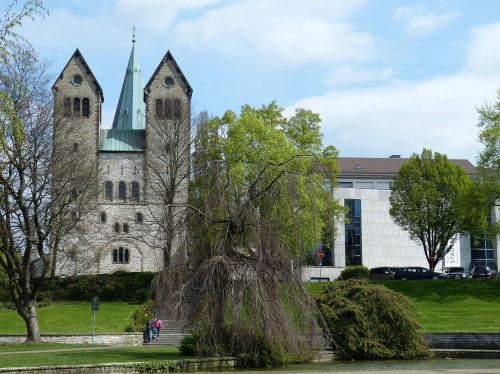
[462, 366]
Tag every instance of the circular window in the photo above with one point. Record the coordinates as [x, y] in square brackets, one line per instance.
[169, 81]
[77, 79]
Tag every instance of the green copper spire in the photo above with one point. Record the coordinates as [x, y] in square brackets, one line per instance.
[130, 112]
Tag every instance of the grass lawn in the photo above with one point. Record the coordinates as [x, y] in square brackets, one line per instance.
[452, 305]
[103, 355]
[72, 317]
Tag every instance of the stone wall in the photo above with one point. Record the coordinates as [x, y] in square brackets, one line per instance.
[99, 339]
[122, 368]
[464, 340]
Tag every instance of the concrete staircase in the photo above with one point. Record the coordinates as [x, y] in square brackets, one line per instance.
[172, 333]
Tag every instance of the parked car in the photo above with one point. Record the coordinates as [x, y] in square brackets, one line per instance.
[481, 272]
[456, 272]
[417, 272]
[382, 273]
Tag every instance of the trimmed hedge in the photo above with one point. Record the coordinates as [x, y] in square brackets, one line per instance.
[358, 272]
[131, 287]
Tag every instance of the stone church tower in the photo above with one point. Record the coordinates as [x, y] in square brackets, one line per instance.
[124, 230]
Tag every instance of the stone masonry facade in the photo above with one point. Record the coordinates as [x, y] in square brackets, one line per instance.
[121, 231]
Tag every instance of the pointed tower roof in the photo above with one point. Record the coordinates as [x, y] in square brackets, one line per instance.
[130, 112]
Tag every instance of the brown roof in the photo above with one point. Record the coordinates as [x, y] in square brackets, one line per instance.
[368, 166]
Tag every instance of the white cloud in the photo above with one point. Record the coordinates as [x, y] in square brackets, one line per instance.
[484, 54]
[419, 22]
[349, 74]
[403, 117]
[289, 33]
[157, 15]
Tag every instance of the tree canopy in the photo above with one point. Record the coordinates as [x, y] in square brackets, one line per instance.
[260, 195]
[429, 199]
[488, 187]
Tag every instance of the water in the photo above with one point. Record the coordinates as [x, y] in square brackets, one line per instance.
[461, 366]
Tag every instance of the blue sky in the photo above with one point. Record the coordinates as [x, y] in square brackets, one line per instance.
[387, 77]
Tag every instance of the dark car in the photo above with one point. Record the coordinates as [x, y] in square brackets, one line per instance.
[456, 272]
[481, 272]
[382, 273]
[417, 272]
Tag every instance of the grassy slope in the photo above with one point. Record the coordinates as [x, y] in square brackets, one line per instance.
[449, 305]
[105, 355]
[72, 317]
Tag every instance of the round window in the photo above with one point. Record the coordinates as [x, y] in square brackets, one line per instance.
[169, 81]
[77, 79]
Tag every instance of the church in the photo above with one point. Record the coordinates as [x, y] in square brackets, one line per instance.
[123, 231]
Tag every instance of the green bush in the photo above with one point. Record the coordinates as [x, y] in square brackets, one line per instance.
[369, 321]
[142, 314]
[358, 272]
[194, 345]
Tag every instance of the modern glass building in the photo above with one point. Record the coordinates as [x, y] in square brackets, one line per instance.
[369, 237]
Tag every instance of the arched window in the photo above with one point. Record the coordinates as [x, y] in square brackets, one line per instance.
[74, 216]
[139, 218]
[85, 107]
[168, 109]
[75, 147]
[103, 217]
[135, 191]
[117, 227]
[125, 228]
[177, 109]
[67, 107]
[159, 108]
[76, 107]
[108, 190]
[120, 256]
[122, 190]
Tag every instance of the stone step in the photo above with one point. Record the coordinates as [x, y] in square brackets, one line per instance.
[168, 339]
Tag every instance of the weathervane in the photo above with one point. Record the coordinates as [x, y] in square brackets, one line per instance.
[133, 34]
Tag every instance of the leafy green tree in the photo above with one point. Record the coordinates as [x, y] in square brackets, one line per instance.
[258, 201]
[488, 187]
[429, 200]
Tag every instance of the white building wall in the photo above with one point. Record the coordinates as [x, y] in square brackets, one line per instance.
[383, 242]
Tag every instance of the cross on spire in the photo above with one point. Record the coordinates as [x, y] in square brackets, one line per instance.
[133, 33]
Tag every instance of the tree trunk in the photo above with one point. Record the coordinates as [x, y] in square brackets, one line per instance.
[31, 321]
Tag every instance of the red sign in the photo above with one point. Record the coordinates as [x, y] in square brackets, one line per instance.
[321, 254]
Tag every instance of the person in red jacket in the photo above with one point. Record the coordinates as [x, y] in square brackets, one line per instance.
[158, 325]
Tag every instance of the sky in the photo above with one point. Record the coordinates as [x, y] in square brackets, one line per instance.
[387, 77]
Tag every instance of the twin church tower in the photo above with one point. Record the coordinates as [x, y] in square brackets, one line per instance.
[121, 232]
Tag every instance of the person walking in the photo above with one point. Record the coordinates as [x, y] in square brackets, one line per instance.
[158, 325]
[151, 330]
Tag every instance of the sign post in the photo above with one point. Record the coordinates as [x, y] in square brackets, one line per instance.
[95, 307]
[321, 255]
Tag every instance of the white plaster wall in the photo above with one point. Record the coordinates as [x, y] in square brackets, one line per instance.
[383, 242]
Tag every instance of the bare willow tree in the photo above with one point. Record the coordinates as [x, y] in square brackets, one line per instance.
[257, 200]
[167, 168]
[45, 187]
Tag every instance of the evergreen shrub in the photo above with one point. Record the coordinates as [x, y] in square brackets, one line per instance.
[369, 321]
[358, 272]
[142, 314]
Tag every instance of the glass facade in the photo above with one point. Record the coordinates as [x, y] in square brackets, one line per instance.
[353, 247]
[482, 253]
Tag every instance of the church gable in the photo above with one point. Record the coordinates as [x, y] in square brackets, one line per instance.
[168, 77]
[77, 77]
